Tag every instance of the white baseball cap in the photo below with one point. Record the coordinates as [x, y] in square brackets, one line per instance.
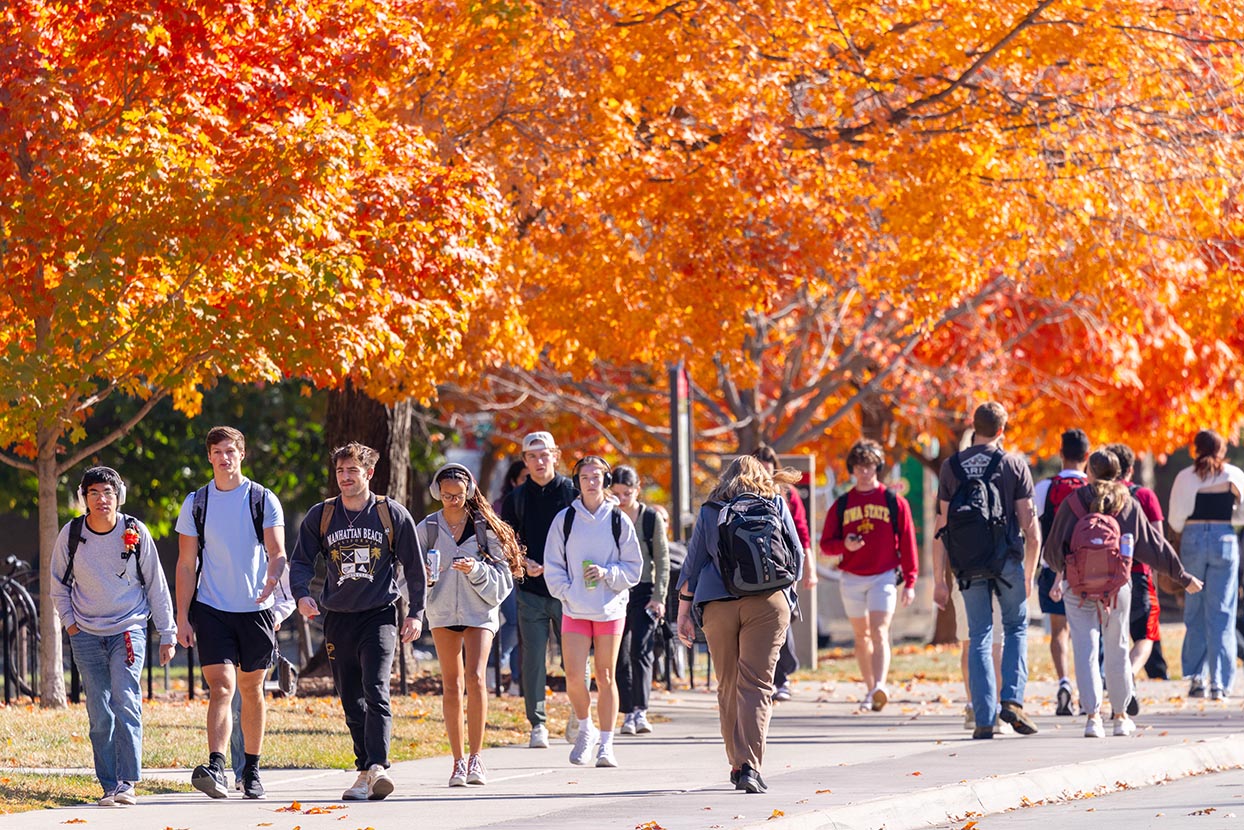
[538, 441]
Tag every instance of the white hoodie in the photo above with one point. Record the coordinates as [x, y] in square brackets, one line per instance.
[591, 538]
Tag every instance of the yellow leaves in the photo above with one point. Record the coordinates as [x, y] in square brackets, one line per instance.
[775, 814]
[649, 825]
[74, 821]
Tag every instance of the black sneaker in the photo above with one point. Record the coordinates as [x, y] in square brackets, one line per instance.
[734, 777]
[1133, 706]
[750, 780]
[1064, 701]
[982, 733]
[251, 786]
[208, 779]
[1196, 688]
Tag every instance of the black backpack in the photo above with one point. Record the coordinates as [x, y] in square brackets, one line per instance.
[754, 552]
[975, 533]
[198, 512]
[75, 538]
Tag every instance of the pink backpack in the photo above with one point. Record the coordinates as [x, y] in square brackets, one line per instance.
[1096, 568]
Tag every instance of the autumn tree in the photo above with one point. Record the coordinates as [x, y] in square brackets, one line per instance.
[200, 190]
[821, 206]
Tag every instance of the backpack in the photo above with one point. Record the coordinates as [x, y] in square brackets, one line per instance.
[615, 523]
[975, 533]
[1061, 487]
[198, 510]
[75, 538]
[891, 503]
[1095, 566]
[382, 510]
[648, 528]
[754, 554]
[481, 534]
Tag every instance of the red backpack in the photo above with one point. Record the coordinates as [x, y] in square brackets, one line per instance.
[1061, 487]
[1096, 568]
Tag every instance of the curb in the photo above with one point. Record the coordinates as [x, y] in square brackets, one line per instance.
[973, 799]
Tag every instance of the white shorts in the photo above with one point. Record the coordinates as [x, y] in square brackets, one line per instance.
[862, 594]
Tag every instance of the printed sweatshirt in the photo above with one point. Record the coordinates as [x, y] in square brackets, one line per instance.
[458, 598]
[591, 538]
[106, 596]
[868, 515]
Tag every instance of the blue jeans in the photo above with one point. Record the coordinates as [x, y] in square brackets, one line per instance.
[978, 599]
[114, 703]
[1211, 553]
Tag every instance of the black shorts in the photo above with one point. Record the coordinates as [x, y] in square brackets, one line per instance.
[245, 639]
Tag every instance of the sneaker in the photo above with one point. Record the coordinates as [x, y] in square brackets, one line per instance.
[572, 726]
[605, 756]
[208, 779]
[1133, 706]
[251, 786]
[1124, 726]
[628, 724]
[458, 777]
[1218, 693]
[782, 692]
[982, 733]
[1013, 713]
[1064, 700]
[585, 742]
[514, 690]
[123, 795]
[969, 717]
[642, 727]
[358, 790]
[237, 781]
[865, 705]
[1196, 688]
[108, 799]
[379, 784]
[878, 698]
[749, 780]
[539, 737]
[1093, 727]
[476, 774]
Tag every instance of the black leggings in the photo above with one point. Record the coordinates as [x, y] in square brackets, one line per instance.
[635, 652]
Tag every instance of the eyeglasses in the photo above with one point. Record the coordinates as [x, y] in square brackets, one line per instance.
[102, 494]
[453, 498]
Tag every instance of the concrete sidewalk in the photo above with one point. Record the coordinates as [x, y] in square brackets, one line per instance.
[912, 765]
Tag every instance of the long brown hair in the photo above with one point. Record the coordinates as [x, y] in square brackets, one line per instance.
[1211, 453]
[747, 475]
[1108, 495]
[477, 507]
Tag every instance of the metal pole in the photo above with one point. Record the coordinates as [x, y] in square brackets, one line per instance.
[4, 639]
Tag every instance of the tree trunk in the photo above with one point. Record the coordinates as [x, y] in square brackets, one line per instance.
[353, 416]
[51, 661]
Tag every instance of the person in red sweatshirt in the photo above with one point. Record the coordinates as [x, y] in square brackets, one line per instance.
[871, 530]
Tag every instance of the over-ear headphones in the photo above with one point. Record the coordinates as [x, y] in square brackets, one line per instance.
[100, 475]
[592, 459]
[444, 473]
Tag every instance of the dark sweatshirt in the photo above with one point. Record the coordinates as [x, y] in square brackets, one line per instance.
[1150, 547]
[539, 505]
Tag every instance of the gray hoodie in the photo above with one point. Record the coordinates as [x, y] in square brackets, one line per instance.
[470, 599]
[106, 596]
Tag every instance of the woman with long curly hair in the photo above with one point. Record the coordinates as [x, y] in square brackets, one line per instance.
[1206, 499]
[479, 560]
[745, 633]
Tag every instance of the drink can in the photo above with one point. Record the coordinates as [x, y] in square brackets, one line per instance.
[434, 565]
[590, 584]
[653, 614]
[1126, 545]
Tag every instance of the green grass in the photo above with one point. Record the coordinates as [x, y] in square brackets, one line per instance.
[22, 791]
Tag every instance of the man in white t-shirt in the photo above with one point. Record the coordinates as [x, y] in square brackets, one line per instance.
[231, 555]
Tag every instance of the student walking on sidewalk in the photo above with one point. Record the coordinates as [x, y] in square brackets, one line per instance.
[363, 539]
[478, 560]
[1100, 625]
[744, 633]
[591, 561]
[645, 606]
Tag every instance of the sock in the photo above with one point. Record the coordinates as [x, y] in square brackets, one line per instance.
[216, 760]
[252, 761]
[1063, 681]
[606, 738]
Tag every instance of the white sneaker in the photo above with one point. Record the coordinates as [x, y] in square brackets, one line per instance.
[539, 737]
[1124, 726]
[476, 774]
[379, 783]
[782, 692]
[585, 742]
[628, 724]
[1093, 727]
[605, 757]
[642, 727]
[108, 799]
[865, 705]
[458, 777]
[572, 726]
[358, 790]
[123, 795]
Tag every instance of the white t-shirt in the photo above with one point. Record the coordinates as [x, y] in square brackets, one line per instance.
[235, 563]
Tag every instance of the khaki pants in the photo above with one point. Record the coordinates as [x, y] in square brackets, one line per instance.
[744, 638]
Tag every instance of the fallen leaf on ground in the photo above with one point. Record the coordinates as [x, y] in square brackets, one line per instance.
[1204, 812]
[294, 807]
[776, 814]
[822, 792]
[649, 825]
[74, 821]
[917, 772]
[968, 826]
